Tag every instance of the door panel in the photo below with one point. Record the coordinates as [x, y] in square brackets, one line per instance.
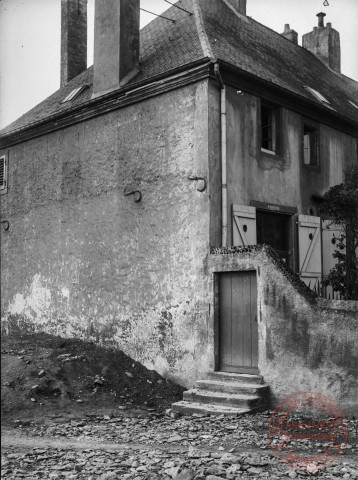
[225, 318]
[238, 342]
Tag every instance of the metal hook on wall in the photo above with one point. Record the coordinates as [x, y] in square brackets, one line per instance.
[137, 195]
[6, 224]
[201, 185]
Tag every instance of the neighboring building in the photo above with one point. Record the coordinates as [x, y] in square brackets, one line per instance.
[203, 131]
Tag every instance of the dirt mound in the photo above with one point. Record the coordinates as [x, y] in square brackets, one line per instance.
[43, 373]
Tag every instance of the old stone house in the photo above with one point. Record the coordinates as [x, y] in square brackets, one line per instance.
[124, 191]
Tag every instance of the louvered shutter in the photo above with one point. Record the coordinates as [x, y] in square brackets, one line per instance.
[2, 173]
[309, 247]
[243, 225]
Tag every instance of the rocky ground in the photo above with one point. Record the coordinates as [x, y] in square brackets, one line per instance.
[129, 434]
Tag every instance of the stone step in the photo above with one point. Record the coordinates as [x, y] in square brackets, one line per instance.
[194, 407]
[259, 389]
[235, 377]
[241, 400]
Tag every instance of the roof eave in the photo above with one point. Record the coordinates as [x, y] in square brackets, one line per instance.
[132, 93]
[239, 78]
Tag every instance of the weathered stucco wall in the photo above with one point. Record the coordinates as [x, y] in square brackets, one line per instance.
[279, 179]
[305, 344]
[82, 259]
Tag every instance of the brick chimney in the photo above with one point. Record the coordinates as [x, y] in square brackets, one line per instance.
[73, 39]
[290, 34]
[324, 42]
[116, 44]
[239, 5]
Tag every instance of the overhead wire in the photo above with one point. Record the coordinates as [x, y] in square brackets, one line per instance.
[157, 15]
[180, 8]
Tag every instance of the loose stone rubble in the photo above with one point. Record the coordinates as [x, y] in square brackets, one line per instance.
[138, 444]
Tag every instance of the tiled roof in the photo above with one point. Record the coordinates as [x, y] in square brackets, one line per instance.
[241, 42]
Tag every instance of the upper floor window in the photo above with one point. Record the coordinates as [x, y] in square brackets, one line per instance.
[3, 174]
[270, 129]
[310, 145]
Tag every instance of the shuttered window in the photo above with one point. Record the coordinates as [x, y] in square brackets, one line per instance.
[3, 175]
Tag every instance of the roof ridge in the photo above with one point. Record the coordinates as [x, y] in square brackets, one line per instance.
[203, 37]
[240, 15]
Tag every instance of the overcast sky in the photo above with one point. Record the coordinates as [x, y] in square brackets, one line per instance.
[30, 41]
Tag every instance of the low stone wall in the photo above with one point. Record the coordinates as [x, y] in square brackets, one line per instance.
[305, 343]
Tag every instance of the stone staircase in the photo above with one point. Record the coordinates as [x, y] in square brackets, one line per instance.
[225, 393]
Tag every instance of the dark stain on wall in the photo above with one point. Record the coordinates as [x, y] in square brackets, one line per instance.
[164, 328]
[71, 178]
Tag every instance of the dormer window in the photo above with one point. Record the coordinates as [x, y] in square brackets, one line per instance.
[318, 96]
[74, 94]
[270, 129]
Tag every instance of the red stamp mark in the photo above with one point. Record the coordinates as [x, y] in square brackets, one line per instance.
[308, 431]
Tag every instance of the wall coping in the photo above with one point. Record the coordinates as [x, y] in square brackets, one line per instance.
[301, 288]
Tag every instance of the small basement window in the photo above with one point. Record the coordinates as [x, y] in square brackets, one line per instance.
[75, 93]
[310, 145]
[270, 129]
[3, 175]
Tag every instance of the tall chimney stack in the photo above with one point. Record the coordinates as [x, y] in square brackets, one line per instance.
[290, 34]
[324, 42]
[116, 44]
[73, 39]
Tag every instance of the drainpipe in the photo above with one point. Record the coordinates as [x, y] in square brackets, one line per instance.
[223, 157]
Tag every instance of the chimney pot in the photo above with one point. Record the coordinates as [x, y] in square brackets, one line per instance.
[290, 34]
[321, 16]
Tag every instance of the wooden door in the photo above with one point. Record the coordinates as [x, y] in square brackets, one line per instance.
[310, 254]
[238, 331]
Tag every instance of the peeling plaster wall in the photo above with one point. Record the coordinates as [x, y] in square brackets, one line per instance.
[81, 259]
[304, 344]
[279, 179]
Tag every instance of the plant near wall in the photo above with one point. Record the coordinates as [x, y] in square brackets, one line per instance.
[340, 205]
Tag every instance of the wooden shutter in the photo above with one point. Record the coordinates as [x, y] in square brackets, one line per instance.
[309, 247]
[243, 226]
[2, 173]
